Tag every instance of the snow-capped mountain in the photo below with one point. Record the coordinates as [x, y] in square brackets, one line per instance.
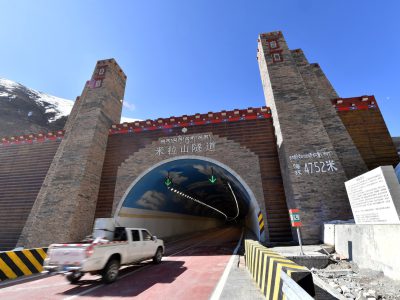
[24, 110]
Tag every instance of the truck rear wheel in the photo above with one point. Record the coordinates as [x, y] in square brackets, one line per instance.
[74, 277]
[110, 271]
[158, 256]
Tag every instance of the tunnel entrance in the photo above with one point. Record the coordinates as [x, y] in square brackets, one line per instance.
[187, 194]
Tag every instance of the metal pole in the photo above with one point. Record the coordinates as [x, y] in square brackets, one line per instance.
[299, 238]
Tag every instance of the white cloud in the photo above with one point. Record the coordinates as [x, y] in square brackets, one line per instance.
[202, 169]
[129, 106]
[175, 176]
[152, 200]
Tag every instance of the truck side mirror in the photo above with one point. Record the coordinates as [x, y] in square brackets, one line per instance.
[154, 238]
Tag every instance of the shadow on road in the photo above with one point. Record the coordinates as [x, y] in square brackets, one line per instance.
[128, 285]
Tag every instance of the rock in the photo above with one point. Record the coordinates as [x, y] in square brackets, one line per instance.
[345, 289]
[349, 295]
[332, 284]
[360, 296]
[371, 292]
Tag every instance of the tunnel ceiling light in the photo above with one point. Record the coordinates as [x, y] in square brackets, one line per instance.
[200, 202]
[237, 205]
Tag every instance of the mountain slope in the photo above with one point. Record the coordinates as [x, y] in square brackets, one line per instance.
[24, 110]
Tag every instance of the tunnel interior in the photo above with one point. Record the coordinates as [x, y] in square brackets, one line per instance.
[191, 187]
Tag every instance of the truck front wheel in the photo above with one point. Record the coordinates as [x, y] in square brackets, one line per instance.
[74, 277]
[110, 271]
[158, 256]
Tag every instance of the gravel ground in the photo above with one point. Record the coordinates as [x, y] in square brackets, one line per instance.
[361, 284]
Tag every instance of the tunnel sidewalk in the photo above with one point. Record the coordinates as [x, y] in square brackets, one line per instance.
[240, 284]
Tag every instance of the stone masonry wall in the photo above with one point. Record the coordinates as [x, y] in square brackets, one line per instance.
[312, 172]
[65, 207]
[321, 93]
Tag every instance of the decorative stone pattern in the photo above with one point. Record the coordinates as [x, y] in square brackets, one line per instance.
[32, 138]
[319, 194]
[65, 206]
[193, 120]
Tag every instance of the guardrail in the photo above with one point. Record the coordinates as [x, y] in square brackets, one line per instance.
[269, 268]
[18, 263]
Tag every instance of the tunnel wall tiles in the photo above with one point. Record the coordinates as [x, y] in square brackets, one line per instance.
[255, 136]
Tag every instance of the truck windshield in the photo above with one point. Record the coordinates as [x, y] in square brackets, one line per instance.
[146, 235]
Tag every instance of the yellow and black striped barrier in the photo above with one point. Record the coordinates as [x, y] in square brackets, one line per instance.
[266, 266]
[261, 223]
[14, 264]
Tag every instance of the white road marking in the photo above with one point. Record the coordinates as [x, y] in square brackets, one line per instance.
[220, 286]
[25, 279]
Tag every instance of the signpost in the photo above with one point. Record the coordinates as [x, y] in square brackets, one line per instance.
[296, 222]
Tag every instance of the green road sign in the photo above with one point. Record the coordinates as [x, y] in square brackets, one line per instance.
[168, 181]
[213, 179]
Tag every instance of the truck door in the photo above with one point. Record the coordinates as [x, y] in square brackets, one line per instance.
[148, 244]
[135, 251]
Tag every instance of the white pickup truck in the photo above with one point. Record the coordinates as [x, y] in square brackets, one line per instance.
[109, 248]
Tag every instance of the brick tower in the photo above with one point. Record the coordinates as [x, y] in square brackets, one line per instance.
[65, 206]
[316, 153]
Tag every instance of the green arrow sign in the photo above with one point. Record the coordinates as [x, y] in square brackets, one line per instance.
[168, 181]
[213, 179]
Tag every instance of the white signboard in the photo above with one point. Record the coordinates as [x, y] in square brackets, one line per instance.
[375, 197]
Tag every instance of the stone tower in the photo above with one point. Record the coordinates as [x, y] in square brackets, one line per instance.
[316, 153]
[65, 206]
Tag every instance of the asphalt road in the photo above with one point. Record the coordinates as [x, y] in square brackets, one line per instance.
[190, 269]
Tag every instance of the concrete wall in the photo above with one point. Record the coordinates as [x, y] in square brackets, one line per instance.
[373, 247]
[164, 224]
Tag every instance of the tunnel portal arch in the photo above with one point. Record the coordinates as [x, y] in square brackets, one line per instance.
[228, 155]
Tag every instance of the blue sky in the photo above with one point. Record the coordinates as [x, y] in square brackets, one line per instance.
[184, 57]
